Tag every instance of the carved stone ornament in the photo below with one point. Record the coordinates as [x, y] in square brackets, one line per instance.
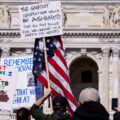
[111, 17]
[28, 51]
[1, 39]
[6, 16]
[64, 17]
[83, 52]
[16, 53]
[106, 52]
[105, 40]
[106, 17]
[97, 54]
[5, 51]
[115, 52]
[116, 17]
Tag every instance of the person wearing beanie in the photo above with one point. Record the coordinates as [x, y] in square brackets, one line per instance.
[23, 114]
[60, 104]
[90, 107]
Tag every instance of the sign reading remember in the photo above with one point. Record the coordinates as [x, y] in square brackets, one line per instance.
[41, 20]
[8, 77]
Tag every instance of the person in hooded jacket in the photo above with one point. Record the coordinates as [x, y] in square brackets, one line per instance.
[60, 104]
[90, 107]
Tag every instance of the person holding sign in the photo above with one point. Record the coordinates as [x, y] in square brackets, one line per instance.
[60, 104]
[43, 22]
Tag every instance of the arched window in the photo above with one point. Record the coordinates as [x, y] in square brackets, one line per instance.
[86, 76]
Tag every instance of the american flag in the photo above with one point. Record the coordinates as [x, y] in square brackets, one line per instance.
[58, 71]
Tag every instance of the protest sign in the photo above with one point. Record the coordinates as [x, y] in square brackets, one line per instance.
[40, 20]
[26, 91]
[8, 77]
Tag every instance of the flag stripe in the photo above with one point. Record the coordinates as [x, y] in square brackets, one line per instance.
[58, 76]
[67, 91]
[61, 64]
[61, 57]
[57, 89]
[58, 70]
[60, 53]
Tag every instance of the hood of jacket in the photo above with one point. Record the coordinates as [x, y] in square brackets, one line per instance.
[91, 111]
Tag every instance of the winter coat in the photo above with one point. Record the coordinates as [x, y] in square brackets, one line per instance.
[91, 111]
[37, 115]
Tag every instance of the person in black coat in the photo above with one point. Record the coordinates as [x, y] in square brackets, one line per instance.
[23, 114]
[90, 107]
[116, 115]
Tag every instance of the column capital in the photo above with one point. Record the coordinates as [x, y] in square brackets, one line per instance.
[115, 52]
[83, 51]
[106, 52]
[5, 51]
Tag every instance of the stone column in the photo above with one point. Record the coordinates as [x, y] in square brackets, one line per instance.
[115, 72]
[5, 51]
[100, 82]
[104, 87]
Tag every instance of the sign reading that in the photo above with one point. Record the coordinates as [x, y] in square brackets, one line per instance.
[8, 78]
[41, 20]
[26, 92]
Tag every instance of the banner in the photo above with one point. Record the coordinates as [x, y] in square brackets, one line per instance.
[40, 20]
[26, 91]
[8, 78]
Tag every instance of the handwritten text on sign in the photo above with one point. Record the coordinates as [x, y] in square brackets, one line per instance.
[41, 20]
[26, 92]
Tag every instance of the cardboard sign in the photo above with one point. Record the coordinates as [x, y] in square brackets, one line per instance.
[26, 91]
[8, 77]
[41, 20]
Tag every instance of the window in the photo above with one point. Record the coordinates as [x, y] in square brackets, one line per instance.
[86, 76]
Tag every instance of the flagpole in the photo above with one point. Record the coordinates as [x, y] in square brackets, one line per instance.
[47, 71]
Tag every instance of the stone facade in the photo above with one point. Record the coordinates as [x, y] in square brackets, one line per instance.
[91, 41]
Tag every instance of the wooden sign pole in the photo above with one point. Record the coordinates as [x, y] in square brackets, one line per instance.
[47, 71]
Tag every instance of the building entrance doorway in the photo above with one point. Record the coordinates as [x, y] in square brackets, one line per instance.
[83, 73]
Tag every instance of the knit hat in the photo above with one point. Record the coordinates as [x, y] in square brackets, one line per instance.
[89, 94]
[60, 101]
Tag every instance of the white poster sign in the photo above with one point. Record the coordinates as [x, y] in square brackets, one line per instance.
[26, 91]
[8, 77]
[41, 20]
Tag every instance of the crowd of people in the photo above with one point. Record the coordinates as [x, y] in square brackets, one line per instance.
[89, 108]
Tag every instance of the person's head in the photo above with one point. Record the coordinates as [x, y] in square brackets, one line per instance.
[59, 104]
[116, 116]
[23, 114]
[89, 94]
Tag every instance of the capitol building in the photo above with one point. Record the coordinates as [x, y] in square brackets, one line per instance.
[91, 42]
